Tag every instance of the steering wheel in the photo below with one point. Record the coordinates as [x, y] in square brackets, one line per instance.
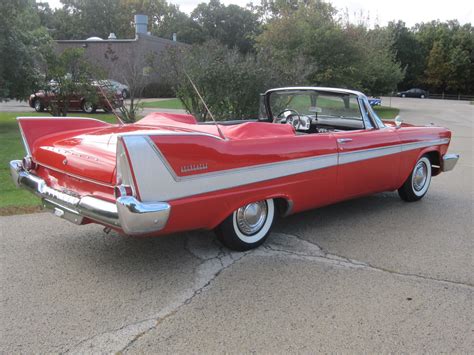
[293, 118]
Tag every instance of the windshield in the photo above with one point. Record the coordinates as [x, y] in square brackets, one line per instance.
[315, 103]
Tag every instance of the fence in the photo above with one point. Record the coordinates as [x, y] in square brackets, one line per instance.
[444, 96]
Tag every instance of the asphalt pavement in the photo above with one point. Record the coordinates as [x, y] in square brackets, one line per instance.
[369, 275]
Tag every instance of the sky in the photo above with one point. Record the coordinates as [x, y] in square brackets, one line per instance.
[379, 11]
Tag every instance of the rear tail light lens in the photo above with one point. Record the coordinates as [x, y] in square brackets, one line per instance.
[28, 163]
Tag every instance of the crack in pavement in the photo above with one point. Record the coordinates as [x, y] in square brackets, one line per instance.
[214, 259]
[283, 238]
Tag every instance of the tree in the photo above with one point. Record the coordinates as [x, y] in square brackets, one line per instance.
[378, 70]
[134, 71]
[71, 75]
[80, 19]
[231, 25]
[230, 81]
[309, 36]
[437, 69]
[460, 70]
[24, 47]
[409, 53]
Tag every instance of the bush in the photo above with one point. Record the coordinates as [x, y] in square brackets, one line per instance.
[229, 81]
[158, 89]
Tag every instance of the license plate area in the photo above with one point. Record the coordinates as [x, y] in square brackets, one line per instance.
[63, 212]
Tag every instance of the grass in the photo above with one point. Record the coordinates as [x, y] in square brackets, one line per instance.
[12, 199]
[169, 104]
[386, 113]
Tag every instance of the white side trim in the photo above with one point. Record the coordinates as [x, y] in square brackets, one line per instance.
[416, 145]
[350, 157]
[158, 182]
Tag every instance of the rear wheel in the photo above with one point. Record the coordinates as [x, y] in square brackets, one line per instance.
[422, 96]
[417, 184]
[248, 226]
[38, 105]
[403, 95]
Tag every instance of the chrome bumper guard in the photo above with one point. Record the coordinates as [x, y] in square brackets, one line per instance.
[449, 162]
[129, 214]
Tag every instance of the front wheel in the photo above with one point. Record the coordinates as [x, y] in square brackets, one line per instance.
[88, 107]
[248, 226]
[38, 105]
[417, 184]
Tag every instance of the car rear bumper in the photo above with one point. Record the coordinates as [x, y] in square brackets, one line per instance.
[127, 213]
[449, 162]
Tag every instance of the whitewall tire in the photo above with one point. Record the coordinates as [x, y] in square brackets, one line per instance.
[248, 226]
[417, 184]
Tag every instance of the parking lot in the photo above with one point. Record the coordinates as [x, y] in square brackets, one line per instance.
[373, 274]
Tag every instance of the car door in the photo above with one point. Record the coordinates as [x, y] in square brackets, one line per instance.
[368, 159]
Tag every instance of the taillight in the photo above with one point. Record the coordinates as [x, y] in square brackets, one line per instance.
[123, 190]
[28, 163]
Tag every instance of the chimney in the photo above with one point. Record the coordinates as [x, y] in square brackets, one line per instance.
[141, 24]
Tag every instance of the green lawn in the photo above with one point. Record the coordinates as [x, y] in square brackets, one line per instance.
[169, 103]
[13, 200]
[386, 113]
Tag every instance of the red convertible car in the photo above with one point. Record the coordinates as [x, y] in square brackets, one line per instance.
[167, 173]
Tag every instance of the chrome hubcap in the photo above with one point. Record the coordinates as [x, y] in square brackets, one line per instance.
[37, 104]
[251, 218]
[420, 176]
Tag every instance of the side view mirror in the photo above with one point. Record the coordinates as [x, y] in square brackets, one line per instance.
[398, 122]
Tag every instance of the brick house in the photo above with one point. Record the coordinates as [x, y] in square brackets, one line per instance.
[124, 59]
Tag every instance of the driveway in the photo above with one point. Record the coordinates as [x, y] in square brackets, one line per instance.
[369, 275]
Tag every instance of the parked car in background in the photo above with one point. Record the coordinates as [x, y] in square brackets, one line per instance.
[413, 93]
[122, 88]
[168, 173]
[374, 101]
[43, 99]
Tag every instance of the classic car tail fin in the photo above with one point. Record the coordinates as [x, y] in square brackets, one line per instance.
[125, 179]
[32, 128]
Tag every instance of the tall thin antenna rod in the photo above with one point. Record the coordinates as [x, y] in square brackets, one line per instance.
[207, 108]
[110, 105]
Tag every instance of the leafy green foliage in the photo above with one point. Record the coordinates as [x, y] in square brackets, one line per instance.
[71, 76]
[304, 42]
[24, 47]
[307, 35]
[229, 81]
[436, 55]
[231, 25]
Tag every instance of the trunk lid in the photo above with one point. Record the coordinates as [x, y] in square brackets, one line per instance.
[88, 153]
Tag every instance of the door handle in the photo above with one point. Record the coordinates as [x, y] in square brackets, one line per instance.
[344, 140]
